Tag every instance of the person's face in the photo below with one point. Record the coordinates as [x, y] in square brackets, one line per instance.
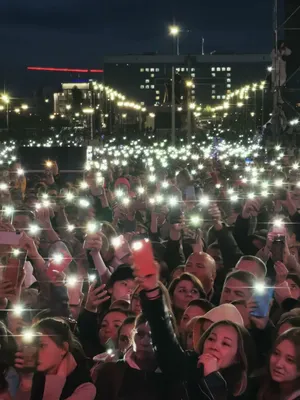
[189, 344]
[136, 303]
[123, 289]
[190, 312]
[222, 343]
[217, 256]
[283, 366]
[250, 266]
[142, 341]
[184, 292]
[125, 337]
[201, 266]
[294, 288]
[234, 290]
[284, 327]
[50, 355]
[110, 325]
[21, 222]
[294, 252]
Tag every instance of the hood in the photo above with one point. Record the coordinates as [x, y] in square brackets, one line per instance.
[128, 357]
[224, 312]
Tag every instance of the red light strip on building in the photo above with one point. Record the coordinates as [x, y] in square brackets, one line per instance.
[80, 71]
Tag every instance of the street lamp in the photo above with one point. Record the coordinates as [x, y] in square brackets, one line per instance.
[174, 31]
[5, 99]
[24, 107]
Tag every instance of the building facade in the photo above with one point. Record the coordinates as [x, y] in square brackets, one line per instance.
[147, 77]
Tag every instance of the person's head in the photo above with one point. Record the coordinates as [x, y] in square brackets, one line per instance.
[184, 289]
[237, 286]
[187, 336]
[177, 272]
[110, 324]
[215, 252]
[229, 343]
[22, 219]
[196, 308]
[286, 322]
[284, 365]
[56, 341]
[121, 283]
[293, 281]
[223, 312]
[203, 266]
[142, 342]
[125, 334]
[183, 179]
[252, 264]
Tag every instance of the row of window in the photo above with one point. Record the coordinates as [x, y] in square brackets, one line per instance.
[185, 69]
[218, 97]
[147, 87]
[218, 69]
[149, 69]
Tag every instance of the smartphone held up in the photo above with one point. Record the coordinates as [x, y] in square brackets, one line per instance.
[143, 258]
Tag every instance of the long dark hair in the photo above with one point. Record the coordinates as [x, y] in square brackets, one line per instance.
[271, 389]
[59, 331]
[236, 375]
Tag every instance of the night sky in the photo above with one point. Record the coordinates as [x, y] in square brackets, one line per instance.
[78, 33]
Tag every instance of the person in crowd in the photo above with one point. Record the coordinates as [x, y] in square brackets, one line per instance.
[138, 375]
[182, 291]
[62, 369]
[283, 379]
[201, 370]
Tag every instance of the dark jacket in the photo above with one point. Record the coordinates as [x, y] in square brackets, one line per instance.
[78, 377]
[176, 364]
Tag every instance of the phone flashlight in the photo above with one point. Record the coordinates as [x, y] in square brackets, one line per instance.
[204, 201]
[16, 252]
[49, 164]
[195, 220]
[18, 310]
[116, 242]
[278, 223]
[83, 185]
[46, 203]
[20, 171]
[152, 178]
[173, 201]
[45, 196]
[71, 281]
[70, 196]
[28, 335]
[8, 210]
[141, 190]
[159, 199]
[119, 193]
[165, 184]
[34, 229]
[137, 246]
[83, 203]
[234, 198]
[126, 201]
[91, 227]
[92, 278]
[3, 186]
[57, 258]
[260, 287]
[70, 228]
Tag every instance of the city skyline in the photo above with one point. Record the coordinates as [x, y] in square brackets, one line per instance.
[79, 33]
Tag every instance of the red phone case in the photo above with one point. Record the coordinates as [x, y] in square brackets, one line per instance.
[143, 258]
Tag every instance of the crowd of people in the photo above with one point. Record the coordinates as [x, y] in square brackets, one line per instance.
[160, 273]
